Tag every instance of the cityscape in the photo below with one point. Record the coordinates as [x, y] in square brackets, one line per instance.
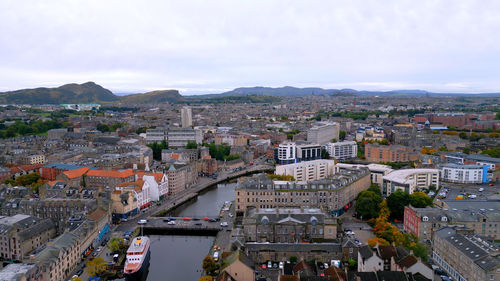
[114, 170]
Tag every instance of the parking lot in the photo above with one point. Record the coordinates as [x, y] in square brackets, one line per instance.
[471, 191]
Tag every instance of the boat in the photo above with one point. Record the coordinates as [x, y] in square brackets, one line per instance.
[137, 261]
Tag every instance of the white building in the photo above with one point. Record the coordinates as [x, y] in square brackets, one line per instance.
[286, 153]
[34, 159]
[323, 133]
[186, 117]
[464, 173]
[377, 171]
[155, 135]
[308, 170]
[180, 137]
[158, 187]
[342, 150]
[409, 180]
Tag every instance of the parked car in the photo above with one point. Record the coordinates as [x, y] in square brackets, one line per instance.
[197, 223]
[216, 256]
[171, 223]
[223, 224]
[481, 189]
[445, 278]
[269, 264]
[124, 219]
[142, 221]
[282, 265]
[99, 249]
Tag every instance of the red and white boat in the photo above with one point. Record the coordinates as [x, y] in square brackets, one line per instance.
[138, 255]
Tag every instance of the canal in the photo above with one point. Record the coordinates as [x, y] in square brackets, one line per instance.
[179, 258]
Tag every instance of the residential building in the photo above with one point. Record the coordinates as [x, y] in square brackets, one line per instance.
[334, 194]
[238, 267]
[123, 204]
[389, 153]
[176, 180]
[475, 159]
[157, 184]
[20, 272]
[342, 150]
[263, 252]
[181, 137]
[232, 140]
[108, 178]
[51, 171]
[423, 222]
[186, 117]
[141, 191]
[465, 256]
[309, 170]
[323, 133]
[73, 178]
[21, 234]
[59, 258]
[409, 180]
[460, 173]
[180, 154]
[288, 225]
[34, 159]
[208, 166]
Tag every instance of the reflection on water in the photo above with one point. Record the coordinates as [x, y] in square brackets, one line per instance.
[179, 258]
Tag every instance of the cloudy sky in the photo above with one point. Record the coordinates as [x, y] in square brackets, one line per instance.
[211, 46]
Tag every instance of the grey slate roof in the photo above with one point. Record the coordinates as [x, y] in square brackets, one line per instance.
[294, 247]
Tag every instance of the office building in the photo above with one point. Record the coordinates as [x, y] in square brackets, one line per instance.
[309, 170]
[186, 117]
[323, 133]
[390, 153]
[409, 180]
[342, 150]
[157, 135]
[181, 137]
[293, 152]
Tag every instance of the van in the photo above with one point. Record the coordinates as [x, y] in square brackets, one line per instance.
[216, 256]
[142, 221]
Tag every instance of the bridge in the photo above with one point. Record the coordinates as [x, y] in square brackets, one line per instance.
[185, 226]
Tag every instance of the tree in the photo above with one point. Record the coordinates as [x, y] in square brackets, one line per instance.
[334, 140]
[28, 179]
[75, 278]
[492, 152]
[293, 259]
[396, 202]
[231, 157]
[96, 266]
[115, 244]
[342, 135]
[420, 200]
[420, 251]
[367, 204]
[210, 266]
[325, 154]
[191, 145]
[352, 264]
[463, 135]
[206, 278]
[157, 148]
[375, 188]
[103, 128]
[9, 181]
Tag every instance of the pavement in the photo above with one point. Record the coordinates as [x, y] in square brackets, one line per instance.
[361, 229]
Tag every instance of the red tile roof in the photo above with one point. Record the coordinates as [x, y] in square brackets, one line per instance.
[110, 173]
[97, 214]
[71, 174]
[158, 176]
[137, 185]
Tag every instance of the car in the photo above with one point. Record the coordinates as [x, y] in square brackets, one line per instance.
[124, 219]
[269, 264]
[187, 219]
[206, 218]
[472, 196]
[99, 249]
[263, 266]
[281, 265]
[481, 189]
[95, 254]
[438, 271]
[212, 220]
[275, 265]
[230, 215]
[142, 222]
[445, 278]
[104, 243]
[171, 219]
[79, 272]
[325, 265]
[491, 184]
[397, 221]
[223, 224]
[197, 223]
[216, 256]
[171, 223]
[196, 219]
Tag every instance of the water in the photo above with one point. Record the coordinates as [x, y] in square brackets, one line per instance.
[179, 258]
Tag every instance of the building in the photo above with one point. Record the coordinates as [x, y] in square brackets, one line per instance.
[140, 190]
[181, 137]
[323, 133]
[123, 204]
[208, 166]
[342, 150]
[377, 171]
[309, 170]
[454, 119]
[263, 252]
[293, 152]
[409, 180]
[423, 222]
[232, 140]
[459, 173]
[20, 272]
[389, 153]
[180, 154]
[73, 178]
[59, 258]
[176, 180]
[51, 171]
[34, 159]
[238, 267]
[21, 234]
[155, 135]
[186, 117]
[157, 184]
[108, 178]
[334, 194]
[465, 256]
[288, 225]
[475, 159]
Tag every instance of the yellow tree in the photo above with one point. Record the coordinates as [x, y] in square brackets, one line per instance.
[206, 278]
[96, 266]
[75, 278]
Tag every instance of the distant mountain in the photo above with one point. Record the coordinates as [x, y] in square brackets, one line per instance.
[171, 96]
[88, 92]
[282, 91]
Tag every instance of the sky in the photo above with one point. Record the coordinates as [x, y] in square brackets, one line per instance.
[213, 46]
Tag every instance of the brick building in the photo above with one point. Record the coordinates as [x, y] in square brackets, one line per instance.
[390, 153]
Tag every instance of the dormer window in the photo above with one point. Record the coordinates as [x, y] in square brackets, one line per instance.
[444, 219]
[425, 218]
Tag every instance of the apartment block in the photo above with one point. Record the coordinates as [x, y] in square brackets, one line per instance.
[309, 170]
[342, 150]
[389, 153]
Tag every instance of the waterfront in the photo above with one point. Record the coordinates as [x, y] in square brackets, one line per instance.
[179, 258]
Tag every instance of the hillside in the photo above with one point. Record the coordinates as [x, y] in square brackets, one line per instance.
[70, 93]
[171, 96]
[282, 91]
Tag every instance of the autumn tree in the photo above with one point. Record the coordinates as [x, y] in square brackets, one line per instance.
[96, 266]
[75, 278]
[115, 244]
[210, 266]
[206, 278]
[420, 200]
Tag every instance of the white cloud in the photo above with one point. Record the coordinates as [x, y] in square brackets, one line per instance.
[207, 45]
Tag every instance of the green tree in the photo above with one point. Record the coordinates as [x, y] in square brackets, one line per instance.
[191, 145]
[367, 204]
[103, 128]
[325, 154]
[342, 135]
[463, 135]
[420, 251]
[9, 181]
[115, 244]
[352, 265]
[28, 179]
[293, 259]
[420, 200]
[96, 267]
[492, 152]
[157, 148]
[210, 266]
[334, 140]
[375, 188]
[397, 202]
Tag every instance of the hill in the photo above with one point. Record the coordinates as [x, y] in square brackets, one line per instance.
[282, 91]
[88, 92]
[171, 96]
